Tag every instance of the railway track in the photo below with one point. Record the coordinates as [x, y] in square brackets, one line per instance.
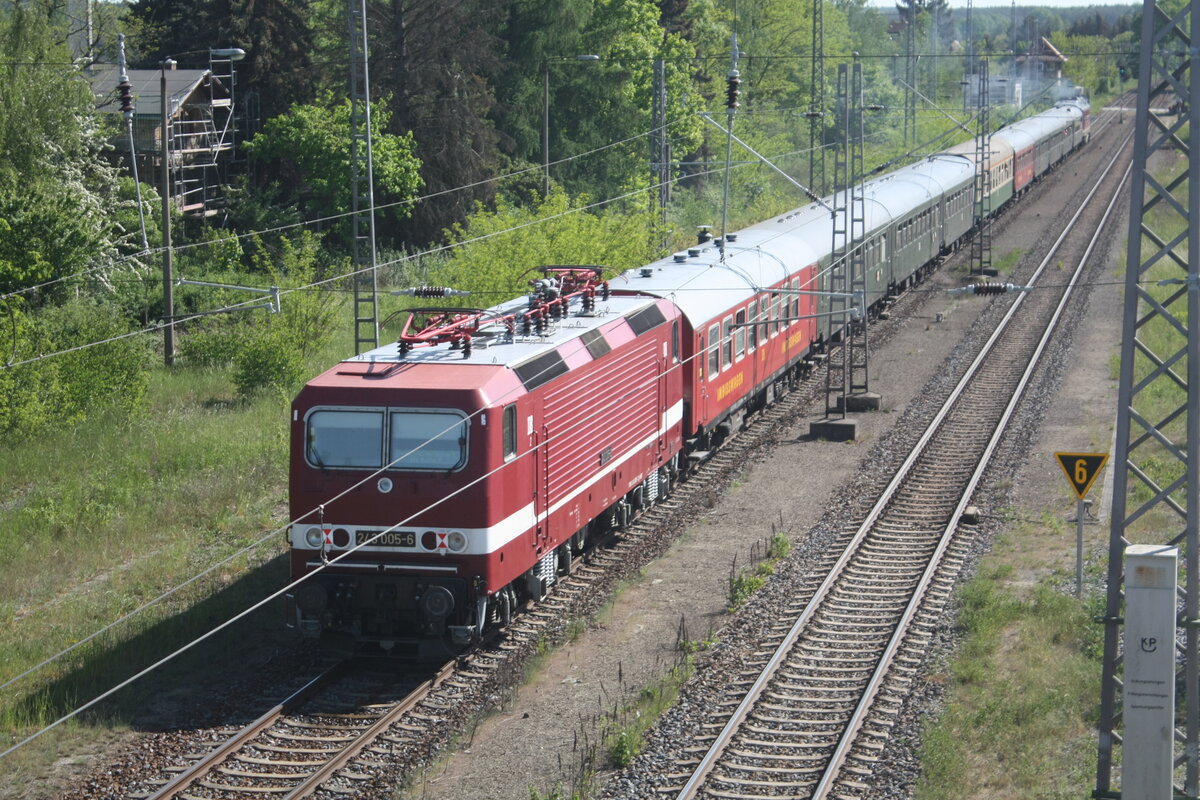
[342, 730]
[330, 735]
[811, 715]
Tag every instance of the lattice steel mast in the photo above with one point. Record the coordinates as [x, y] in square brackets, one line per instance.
[816, 103]
[847, 371]
[910, 78]
[660, 145]
[1156, 482]
[362, 182]
[981, 243]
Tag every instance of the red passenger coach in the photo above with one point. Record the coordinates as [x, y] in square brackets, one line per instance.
[440, 480]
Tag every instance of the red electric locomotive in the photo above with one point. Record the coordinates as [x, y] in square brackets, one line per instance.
[438, 481]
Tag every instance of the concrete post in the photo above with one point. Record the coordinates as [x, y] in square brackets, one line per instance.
[1149, 696]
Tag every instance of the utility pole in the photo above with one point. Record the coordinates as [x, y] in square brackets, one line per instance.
[660, 145]
[1156, 462]
[910, 77]
[168, 266]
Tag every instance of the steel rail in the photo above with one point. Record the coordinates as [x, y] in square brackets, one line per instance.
[370, 734]
[231, 745]
[711, 757]
[842, 751]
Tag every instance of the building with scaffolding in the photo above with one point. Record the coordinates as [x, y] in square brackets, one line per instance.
[201, 132]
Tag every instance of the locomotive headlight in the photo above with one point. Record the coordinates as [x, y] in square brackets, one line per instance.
[314, 536]
[456, 541]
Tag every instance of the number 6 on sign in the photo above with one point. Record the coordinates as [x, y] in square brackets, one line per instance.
[1081, 469]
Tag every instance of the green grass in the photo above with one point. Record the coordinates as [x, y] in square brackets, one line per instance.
[746, 581]
[97, 519]
[1019, 718]
[625, 727]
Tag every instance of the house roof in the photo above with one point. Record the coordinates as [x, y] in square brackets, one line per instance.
[181, 85]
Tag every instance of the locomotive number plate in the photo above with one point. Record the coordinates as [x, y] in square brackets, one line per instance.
[389, 539]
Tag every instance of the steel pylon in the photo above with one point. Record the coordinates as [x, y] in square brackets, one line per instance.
[1156, 482]
[981, 242]
[362, 182]
[847, 365]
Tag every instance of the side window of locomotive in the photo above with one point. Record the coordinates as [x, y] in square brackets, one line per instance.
[675, 341]
[727, 342]
[714, 351]
[508, 431]
[739, 334]
[345, 439]
[427, 440]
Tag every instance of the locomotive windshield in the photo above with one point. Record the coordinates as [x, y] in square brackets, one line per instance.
[416, 439]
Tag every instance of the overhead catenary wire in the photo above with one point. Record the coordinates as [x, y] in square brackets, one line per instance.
[594, 413]
[259, 542]
[700, 354]
[411, 257]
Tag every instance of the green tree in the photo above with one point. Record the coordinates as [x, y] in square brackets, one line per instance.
[58, 198]
[443, 56]
[308, 151]
[514, 240]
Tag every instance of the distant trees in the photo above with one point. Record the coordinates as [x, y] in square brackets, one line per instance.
[307, 150]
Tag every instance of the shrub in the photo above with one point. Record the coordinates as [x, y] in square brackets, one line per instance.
[268, 361]
[61, 390]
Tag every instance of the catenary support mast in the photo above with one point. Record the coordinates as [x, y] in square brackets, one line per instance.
[1156, 472]
[362, 192]
[847, 367]
[981, 242]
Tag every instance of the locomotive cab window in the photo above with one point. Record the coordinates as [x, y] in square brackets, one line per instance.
[370, 438]
[428, 440]
[346, 439]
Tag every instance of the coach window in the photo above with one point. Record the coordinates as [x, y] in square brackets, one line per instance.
[427, 440]
[727, 342]
[776, 312]
[508, 431]
[752, 329]
[346, 439]
[739, 333]
[764, 316]
[795, 299]
[714, 354]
